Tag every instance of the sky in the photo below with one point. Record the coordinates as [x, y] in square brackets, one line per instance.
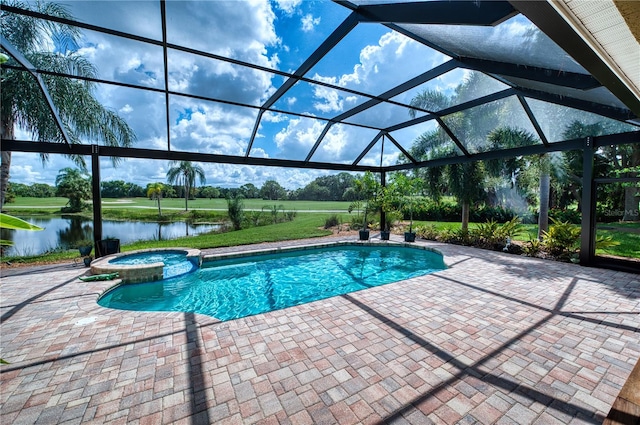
[277, 35]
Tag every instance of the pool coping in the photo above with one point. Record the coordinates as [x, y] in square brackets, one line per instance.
[209, 258]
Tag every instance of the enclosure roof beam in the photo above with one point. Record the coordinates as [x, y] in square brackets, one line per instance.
[111, 151]
[486, 13]
[543, 75]
[612, 112]
[567, 145]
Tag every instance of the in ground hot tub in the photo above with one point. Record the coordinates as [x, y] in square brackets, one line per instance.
[149, 265]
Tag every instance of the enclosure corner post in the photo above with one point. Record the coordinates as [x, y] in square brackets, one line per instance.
[587, 244]
[383, 214]
[97, 200]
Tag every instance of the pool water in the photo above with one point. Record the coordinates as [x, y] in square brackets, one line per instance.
[234, 288]
[175, 263]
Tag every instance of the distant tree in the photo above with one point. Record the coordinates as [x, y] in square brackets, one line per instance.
[249, 191]
[271, 190]
[19, 189]
[209, 192]
[42, 190]
[112, 189]
[185, 173]
[154, 191]
[74, 184]
[22, 102]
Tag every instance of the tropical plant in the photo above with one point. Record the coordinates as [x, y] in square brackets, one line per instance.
[532, 247]
[368, 187]
[154, 191]
[74, 184]
[406, 188]
[22, 103]
[184, 173]
[428, 231]
[562, 239]
[235, 209]
[493, 235]
[15, 223]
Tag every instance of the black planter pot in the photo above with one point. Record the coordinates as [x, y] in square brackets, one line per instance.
[384, 235]
[85, 250]
[409, 236]
[87, 261]
[107, 246]
[364, 235]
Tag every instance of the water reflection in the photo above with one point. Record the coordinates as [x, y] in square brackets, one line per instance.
[65, 231]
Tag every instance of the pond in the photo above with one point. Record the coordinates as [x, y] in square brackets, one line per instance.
[65, 231]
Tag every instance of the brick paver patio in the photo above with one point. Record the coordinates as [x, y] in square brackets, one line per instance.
[495, 338]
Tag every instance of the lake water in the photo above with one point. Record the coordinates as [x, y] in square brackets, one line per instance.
[66, 230]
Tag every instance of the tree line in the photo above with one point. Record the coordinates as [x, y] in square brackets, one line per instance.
[326, 188]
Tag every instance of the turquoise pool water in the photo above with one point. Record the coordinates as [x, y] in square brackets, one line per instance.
[175, 262]
[234, 288]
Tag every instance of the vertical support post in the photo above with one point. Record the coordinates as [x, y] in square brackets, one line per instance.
[97, 199]
[383, 214]
[588, 225]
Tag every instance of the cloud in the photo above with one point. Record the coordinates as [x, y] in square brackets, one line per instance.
[309, 22]
[288, 6]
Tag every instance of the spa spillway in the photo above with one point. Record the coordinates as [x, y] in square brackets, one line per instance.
[149, 265]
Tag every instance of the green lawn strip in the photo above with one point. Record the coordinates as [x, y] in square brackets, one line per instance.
[629, 242]
[25, 203]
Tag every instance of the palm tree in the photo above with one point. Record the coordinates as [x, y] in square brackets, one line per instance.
[73, 183]
[23, 105]
[185, 173]
[154, 191]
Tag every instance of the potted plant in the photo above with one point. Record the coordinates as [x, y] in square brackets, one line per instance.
[107, 246]
[84, 246]
[368, 187]
[388, 204]
[364, 232]
[407, 188]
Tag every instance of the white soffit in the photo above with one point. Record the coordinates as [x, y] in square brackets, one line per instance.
[602, 26]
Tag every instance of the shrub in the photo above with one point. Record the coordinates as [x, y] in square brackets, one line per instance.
[331, 221]
[428, 210]
[564, 215]
[428, 231]
[493, 235]
[532, 247]
[562, 238]
[235, 208]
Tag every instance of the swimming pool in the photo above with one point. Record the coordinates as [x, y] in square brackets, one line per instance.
[237, 287]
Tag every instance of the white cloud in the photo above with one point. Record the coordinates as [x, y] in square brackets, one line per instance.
[288, 6]
[309, 22]
[331, 99]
